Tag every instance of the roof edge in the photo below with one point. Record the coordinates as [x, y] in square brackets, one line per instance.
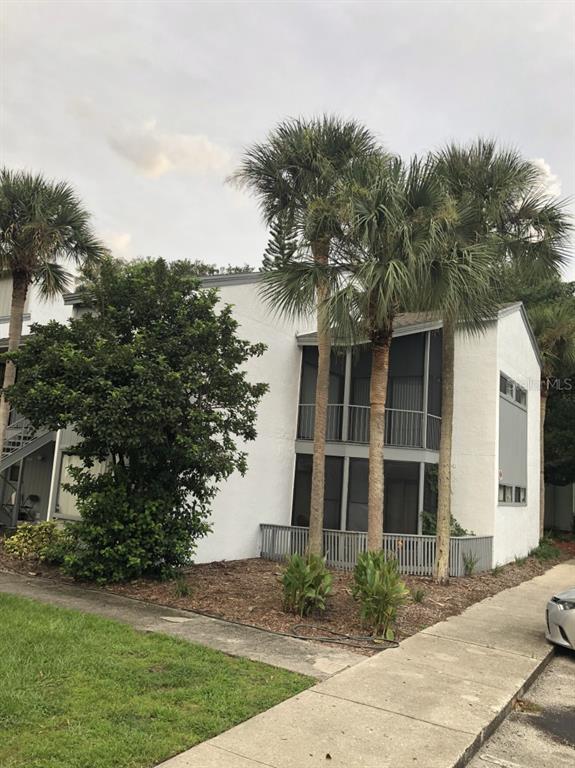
[519, 306]
[209, 281]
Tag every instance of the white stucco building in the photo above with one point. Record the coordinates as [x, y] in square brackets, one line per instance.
[495, 478]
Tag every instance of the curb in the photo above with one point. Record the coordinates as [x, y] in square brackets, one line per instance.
[490, 729]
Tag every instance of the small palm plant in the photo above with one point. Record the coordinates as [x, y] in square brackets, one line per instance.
[378, 587]
[306, 584]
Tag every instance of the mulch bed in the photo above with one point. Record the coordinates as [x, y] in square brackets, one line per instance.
[248, 591]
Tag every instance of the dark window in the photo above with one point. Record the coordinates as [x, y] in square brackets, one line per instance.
[401, 495]
[506, 494]
[520, 395]
[309, 376]
[520, 495]
[434, 390]
[357, 495]
[505, 385]
[332, 490]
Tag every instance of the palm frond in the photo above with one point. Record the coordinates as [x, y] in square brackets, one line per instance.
[52, 279]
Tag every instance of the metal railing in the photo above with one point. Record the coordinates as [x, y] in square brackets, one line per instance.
[403, 428]
[305, 428]
[18, 434]
[415, 554]
[433, 431]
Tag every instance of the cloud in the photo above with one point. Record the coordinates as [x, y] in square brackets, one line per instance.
[119, 243]
[550, 182]
[155, 153]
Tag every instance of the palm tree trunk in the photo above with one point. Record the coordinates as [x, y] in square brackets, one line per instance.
[542, 413]
[19, 293]
[441, 569]
[320, 253]
[377, 398]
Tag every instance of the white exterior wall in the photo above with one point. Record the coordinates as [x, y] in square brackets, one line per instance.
[516, 528]
[40, 310]
[264, 494]
[474, 442]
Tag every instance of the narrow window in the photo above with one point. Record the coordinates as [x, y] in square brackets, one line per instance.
[520, 395]
[505, 385]
[506, 493]
[520, 495]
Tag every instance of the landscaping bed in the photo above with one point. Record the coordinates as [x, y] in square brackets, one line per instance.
[248, 591]
[79, 690]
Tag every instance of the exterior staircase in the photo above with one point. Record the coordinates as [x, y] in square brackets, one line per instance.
[21, 440]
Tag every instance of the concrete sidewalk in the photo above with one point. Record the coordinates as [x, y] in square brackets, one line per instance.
[429, 703]
[313, 659]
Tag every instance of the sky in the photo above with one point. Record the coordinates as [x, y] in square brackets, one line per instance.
[145, 107]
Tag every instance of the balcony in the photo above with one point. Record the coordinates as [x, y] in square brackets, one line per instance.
[350, 423]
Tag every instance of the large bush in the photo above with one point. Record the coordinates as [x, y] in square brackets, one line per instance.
[153, 382]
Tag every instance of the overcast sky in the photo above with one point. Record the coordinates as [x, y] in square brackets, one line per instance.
[145, 106]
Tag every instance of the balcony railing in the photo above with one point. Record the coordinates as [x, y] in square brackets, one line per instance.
[351, 423]
[414, 554]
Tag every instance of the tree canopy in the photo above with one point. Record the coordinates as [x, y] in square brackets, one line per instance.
[153, 383]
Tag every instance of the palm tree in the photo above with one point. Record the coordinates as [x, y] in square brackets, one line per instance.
[509, 215]
[42, 224]
[377, 266]
[395, 211]
[296, 176]
[554, 328]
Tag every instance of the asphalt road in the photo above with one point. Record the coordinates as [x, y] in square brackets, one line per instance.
[540, 732]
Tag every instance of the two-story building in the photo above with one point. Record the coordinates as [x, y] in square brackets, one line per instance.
[495, 475]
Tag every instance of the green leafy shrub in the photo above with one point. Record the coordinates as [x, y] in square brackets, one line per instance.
[379, 589]
[546, 550]
[306, 584]
[46, 542]
[469, 563]
[520, 560]
[122, 536]
[429, 525]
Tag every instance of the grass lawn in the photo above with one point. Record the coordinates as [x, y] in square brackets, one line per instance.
[78, 691]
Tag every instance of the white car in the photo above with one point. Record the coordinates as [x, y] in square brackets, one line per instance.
[560, 615]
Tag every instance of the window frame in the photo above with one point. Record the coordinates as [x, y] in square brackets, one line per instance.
[512, 500]
[512, 388]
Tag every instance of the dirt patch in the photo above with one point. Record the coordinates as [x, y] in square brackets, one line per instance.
[248, 591]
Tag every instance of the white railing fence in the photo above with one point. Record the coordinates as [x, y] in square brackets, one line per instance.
[415, 554]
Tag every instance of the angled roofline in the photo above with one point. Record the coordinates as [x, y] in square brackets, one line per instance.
[509, 310]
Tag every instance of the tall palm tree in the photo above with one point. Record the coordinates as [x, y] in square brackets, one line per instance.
[554, 328]
[508, 213]
[42, 224]
[296, 176]
[395, 215]
[392, 214]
